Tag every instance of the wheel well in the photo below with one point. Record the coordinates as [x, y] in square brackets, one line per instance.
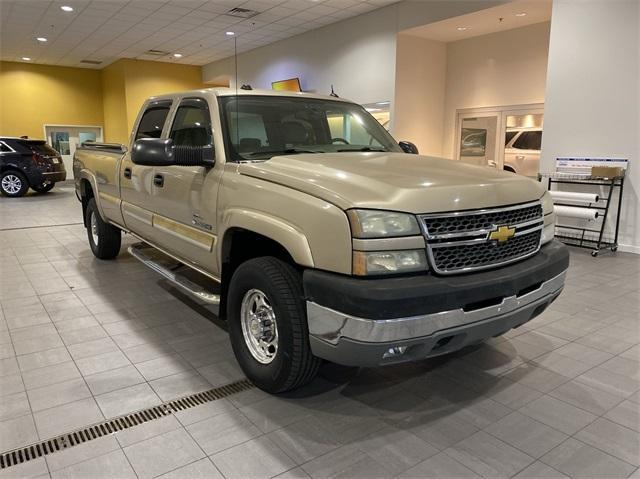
[509, 168]
[240, 245]
[86, 193]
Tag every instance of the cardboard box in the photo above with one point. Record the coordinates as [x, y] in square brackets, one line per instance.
[607, 171]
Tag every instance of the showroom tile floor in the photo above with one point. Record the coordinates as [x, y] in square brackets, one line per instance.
[82, 340]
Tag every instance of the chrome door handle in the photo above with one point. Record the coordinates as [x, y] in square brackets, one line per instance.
[520, 157]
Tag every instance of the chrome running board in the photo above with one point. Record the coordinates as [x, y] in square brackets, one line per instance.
[139, 252]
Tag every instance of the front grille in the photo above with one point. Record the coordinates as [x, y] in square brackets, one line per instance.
[460, 242]
[442, 225]
[486, 253]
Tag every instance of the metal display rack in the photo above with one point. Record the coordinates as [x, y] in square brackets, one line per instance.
[590, 238]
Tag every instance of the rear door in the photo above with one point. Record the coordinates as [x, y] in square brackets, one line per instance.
[136, 181]
[185, 197]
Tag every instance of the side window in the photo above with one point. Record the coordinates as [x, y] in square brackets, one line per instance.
[349, 127]
[509, 136]
[529, 140]
[4, 148]
[192, 124]
[152, 121]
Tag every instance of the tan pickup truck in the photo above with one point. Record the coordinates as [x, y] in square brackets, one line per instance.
[317, 234]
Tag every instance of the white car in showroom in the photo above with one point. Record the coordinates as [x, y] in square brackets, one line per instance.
[522, 150]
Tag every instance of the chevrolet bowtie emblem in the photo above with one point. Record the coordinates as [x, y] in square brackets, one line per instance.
[502, 234]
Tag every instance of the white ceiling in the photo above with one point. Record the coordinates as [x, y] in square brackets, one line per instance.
[107, 30]
[483, 22]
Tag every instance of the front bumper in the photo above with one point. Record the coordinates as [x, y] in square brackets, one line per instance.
[446, 314]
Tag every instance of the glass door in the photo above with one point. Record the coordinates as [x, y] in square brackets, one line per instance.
[65, 140]
[477, 139]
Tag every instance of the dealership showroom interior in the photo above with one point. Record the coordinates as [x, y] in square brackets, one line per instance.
[320, 239]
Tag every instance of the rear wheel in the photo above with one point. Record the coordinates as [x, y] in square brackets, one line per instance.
[268, 325]
[104, 238]
[44, 187]
[13, 184]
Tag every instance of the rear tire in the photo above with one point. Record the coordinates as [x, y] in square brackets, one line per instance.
[44, 187]
[104, 239]
[271, 292]
[13, 184]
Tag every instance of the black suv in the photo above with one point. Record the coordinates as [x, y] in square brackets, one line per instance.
[28, 163]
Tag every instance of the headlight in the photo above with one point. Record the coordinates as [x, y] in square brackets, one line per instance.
[549, 227]
[388, 262]
[382, 224]
[547, 203]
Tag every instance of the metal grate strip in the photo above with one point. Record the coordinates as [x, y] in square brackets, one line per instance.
[117, 424]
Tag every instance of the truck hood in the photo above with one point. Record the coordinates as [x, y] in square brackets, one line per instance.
[395, 181]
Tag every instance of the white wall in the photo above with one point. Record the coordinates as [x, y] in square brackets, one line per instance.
[357, 55]
[499, 69]
[592, 98]
[420, 92]
[359, 60]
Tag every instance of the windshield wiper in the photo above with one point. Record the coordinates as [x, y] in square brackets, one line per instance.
[364, 148]
[288, 151]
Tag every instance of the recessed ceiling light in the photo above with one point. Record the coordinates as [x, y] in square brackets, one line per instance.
[230, 34]
[26, 59]
[177, 55]
[521, 14]
[462, 29]
[66, 8]
[41, 39]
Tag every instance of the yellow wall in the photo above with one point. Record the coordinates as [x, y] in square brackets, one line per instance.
[32, 95]
[144, 79]
[114, 102]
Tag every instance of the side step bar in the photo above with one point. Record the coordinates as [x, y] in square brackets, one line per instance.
[138, 252]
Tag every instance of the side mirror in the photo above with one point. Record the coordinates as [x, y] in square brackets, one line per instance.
[162, 152]
[408, 147]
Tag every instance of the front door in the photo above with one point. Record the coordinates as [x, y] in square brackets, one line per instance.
[136, 181]
[185, 197]
[65, 140]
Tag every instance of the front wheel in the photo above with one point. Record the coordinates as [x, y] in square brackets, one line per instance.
[104, 239]
[13, 184]
[268, 325]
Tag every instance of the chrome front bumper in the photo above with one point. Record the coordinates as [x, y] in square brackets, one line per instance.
[333, 335]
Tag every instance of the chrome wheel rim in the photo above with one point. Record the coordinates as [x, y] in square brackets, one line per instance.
[259, 326]
[94, 228]
[11, 184]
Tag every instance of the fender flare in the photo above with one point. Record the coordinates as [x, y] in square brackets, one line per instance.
[277, 229]
[90, 177]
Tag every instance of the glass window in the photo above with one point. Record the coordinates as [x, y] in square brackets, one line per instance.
[509, 136]
[529, 140]
[192, 124]
[4, 148]
[260, 127]
[152, 121]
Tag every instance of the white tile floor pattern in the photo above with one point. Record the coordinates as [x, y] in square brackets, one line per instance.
[82, 340]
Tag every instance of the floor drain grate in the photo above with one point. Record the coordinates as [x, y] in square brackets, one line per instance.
[112, 426]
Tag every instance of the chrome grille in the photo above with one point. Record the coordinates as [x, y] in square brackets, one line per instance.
[460, 242]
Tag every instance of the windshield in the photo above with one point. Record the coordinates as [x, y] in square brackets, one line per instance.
[260, 127]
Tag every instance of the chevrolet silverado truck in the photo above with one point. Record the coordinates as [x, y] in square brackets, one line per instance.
[317, 234]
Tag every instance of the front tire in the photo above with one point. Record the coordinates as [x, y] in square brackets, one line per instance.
[104, 239]
[13, 184]
[268, 325]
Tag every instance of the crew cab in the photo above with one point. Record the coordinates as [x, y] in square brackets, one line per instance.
[28, 163]
[325, 238]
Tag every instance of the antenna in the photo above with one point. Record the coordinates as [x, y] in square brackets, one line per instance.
[235, 58]
[333, 93]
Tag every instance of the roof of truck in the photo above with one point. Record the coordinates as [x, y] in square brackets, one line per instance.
[220, 91]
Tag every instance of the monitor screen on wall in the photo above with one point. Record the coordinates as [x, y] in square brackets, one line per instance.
[293, 84]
